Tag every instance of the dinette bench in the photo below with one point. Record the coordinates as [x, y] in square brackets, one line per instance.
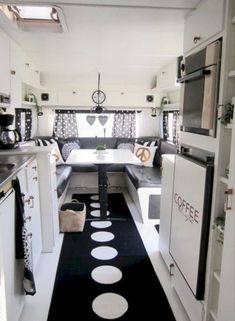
[143, 183]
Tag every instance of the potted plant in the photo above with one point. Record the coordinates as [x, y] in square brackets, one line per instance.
[227, 115]
[219, 225]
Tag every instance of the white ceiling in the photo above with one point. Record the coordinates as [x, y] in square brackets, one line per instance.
[127, 41]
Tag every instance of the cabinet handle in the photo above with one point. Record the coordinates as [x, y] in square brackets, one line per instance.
[32, 201]
[30, 235]
[35, 178]
[196, 39]
[28, 218]
[13, 72]
[228, 193]
[34, 167]
[171, 269]
[27, 64]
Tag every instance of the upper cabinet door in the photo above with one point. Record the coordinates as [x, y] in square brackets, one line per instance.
[4, 64]
[203, 23]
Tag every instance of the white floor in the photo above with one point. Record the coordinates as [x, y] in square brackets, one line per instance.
[36, 307]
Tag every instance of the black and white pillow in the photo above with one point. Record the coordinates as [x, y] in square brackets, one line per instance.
[53, 143]
[149, 143]
[129, 146]
[67, 148]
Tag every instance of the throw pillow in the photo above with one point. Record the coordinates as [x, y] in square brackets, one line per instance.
[67, 148]
[150, 143]
[53, 143]
[145, 154]
[126, 146]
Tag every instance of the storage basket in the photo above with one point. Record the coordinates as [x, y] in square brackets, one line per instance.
[72, 217]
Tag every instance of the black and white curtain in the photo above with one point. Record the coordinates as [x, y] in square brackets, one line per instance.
[171, 129]
[65, 124]
[124, 124]
[23, 122]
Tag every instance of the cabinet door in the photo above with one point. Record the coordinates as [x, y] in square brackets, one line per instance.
[166, 208]
[11, 303]
[4, 64]
[203, 23]
[69, 97]
[33, 203]
[54, 197]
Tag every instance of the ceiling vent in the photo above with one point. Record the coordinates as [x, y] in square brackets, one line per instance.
[36, 18]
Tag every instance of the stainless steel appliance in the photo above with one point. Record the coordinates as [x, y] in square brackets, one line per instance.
[199, 75]
[9, 138]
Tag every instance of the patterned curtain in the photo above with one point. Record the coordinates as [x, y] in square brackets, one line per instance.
[175, 129]
[124, 124]
[23, 122]
[65, 124]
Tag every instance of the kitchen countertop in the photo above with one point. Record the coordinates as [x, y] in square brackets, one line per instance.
[19, 160]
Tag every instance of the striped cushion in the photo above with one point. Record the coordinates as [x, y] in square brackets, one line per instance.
[149, 143]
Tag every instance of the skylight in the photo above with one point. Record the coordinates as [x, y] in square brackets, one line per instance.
[36, 18]
[37, 13]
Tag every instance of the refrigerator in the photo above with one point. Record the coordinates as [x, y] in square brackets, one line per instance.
[191, 211]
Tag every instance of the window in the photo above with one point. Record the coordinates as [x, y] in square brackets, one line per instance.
[91, 125]
[171, 126]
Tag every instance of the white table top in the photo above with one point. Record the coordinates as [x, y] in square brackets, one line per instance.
[109, 156]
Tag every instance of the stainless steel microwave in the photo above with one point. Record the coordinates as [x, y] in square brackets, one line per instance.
[199, 75]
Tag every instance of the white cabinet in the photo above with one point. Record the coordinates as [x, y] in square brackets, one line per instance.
[221, 289]
[166, 78]
[33, 203]
[11, 270]
[24, 75]
[203, 23]
[166, 208]
[48, 198]
[70, 97]
[28, 178]
[4, 63]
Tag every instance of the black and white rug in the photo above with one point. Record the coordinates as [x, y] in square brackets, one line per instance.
[104, 272]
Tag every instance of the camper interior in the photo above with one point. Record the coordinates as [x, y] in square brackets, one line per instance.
[117, 145]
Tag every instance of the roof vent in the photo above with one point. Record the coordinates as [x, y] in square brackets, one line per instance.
[36, 18]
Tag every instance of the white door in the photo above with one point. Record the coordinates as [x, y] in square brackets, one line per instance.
[190, 221]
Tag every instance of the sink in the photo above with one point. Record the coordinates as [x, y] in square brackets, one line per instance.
[6, 167]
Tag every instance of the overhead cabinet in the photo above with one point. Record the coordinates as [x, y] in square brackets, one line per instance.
[203, 23]
[166, 78]
[24, 75]
[4, 64]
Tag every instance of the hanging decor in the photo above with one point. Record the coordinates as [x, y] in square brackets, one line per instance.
[98, 98]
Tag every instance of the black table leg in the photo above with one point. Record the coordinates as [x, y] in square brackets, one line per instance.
[103, 190]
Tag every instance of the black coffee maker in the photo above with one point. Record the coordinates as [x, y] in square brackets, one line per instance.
[9, 138]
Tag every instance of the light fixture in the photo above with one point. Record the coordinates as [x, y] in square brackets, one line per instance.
[98, 97]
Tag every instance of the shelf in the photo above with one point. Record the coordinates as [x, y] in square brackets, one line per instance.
[27, 103]
[220, 229]
[231, 74]
[229, 126]
[217, 275]
[224, 180]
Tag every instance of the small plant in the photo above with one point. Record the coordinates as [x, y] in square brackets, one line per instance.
[101, 147]
[219, 224]
[227, 114]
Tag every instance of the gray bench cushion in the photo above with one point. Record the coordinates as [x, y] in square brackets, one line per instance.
[142, 176]
[63, 173]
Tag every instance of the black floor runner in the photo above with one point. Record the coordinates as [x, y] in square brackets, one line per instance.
[75, 289]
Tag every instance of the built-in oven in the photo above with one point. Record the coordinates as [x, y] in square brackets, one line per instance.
[199, 75]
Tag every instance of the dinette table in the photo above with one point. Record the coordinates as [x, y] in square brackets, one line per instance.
[102, 159]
